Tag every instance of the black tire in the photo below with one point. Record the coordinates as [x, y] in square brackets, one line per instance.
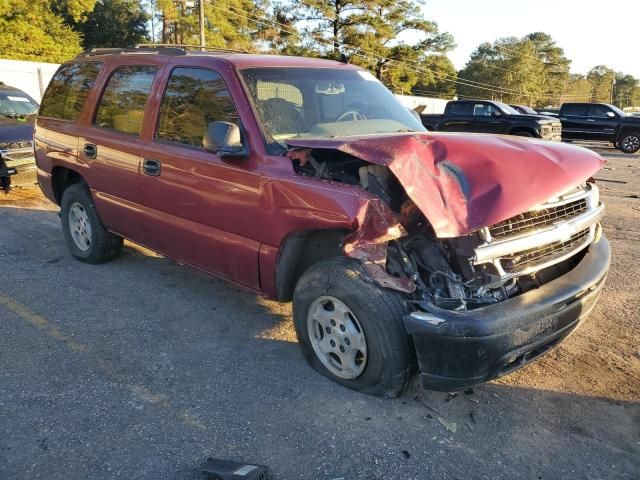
[390, 362]
[103, 245]
[629, 142]
[523, 133]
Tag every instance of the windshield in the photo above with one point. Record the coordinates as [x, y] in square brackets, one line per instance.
[506, 108]
[16, 105]
[618, 111]
[324, 103]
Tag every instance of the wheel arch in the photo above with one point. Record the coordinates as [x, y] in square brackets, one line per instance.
[301, 250]
[521, 128]
[62, 178]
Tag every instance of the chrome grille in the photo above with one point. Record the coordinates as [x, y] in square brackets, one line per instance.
[528, 258]
[15, 145]
[545, 235]
[535, 219]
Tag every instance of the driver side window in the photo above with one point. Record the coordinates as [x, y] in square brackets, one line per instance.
[483, 110]
[194, 97]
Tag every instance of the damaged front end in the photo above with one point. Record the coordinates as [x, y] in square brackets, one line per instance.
[424, 233]
[495, 242]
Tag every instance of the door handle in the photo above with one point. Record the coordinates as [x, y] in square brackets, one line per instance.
[151, 167]
[90, 150]
[591, 119]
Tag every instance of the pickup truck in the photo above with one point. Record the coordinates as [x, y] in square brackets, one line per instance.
[459, 256]
[602, 122]
[17, 114]
[485, 116]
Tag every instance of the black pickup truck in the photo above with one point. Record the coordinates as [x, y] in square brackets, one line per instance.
[485, 116]
[600, 121]
[17, 114]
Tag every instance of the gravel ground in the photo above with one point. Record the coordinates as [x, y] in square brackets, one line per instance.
[142, 368]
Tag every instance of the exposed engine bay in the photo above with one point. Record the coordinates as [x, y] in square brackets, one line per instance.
[483, 267]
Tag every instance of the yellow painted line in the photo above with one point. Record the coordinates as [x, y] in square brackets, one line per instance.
[40, 322]
[140, 391]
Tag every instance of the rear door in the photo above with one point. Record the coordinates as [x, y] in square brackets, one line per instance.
[575, 124]
[198, 207]
[111, 145]
[56, 130]
[458, 117]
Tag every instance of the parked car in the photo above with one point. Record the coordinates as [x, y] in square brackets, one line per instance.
[524, 109]
[17, 113]
[461, 256]
[485, 116]
[600, 121]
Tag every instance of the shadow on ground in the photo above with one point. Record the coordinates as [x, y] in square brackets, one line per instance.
[141, 368]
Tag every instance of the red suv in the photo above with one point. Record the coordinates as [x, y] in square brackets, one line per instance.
[461, 256]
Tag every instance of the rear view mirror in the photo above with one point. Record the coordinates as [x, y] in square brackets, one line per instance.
[329, 88]
[224, 139]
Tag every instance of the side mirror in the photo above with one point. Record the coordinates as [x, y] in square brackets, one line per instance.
[611, 115]
[224, 139]
[496, 113]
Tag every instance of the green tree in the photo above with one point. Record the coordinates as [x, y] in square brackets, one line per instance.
[602, 80]
[443, 75]
[370, 32]
[577, 89]
[115, 23]
[531, 70]
[234, 24]
[627, 91]
[556, 66]
[33, 30]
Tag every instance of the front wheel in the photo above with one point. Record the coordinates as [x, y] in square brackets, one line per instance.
[87, 238]
[352, 331]
[629, 142]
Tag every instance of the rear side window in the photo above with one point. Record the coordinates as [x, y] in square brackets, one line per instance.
[68, 90]
[576, 110]
[125, 96]
[194, 98]
[461, 109]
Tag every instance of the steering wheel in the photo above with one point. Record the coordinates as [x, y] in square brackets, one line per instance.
[355, 115]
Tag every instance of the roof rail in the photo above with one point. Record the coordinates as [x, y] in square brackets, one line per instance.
[188, 47]
[119, 51]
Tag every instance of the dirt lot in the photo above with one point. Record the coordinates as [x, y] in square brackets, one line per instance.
[141, 368]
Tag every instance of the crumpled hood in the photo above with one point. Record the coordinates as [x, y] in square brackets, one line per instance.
[462, 182]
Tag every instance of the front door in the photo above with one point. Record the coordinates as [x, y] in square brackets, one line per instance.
[198, 207]
[602, 122]
[487, 118]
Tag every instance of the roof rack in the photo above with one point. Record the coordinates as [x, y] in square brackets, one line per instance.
[188, 47]
[158, 49]
[120, 51]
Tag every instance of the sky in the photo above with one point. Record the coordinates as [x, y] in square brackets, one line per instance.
[590, 32]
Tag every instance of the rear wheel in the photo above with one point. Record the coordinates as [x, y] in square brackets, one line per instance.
[352, 331]
[629, 142]
[87, 238]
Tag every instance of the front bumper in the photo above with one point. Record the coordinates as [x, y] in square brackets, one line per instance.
[459, 349]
